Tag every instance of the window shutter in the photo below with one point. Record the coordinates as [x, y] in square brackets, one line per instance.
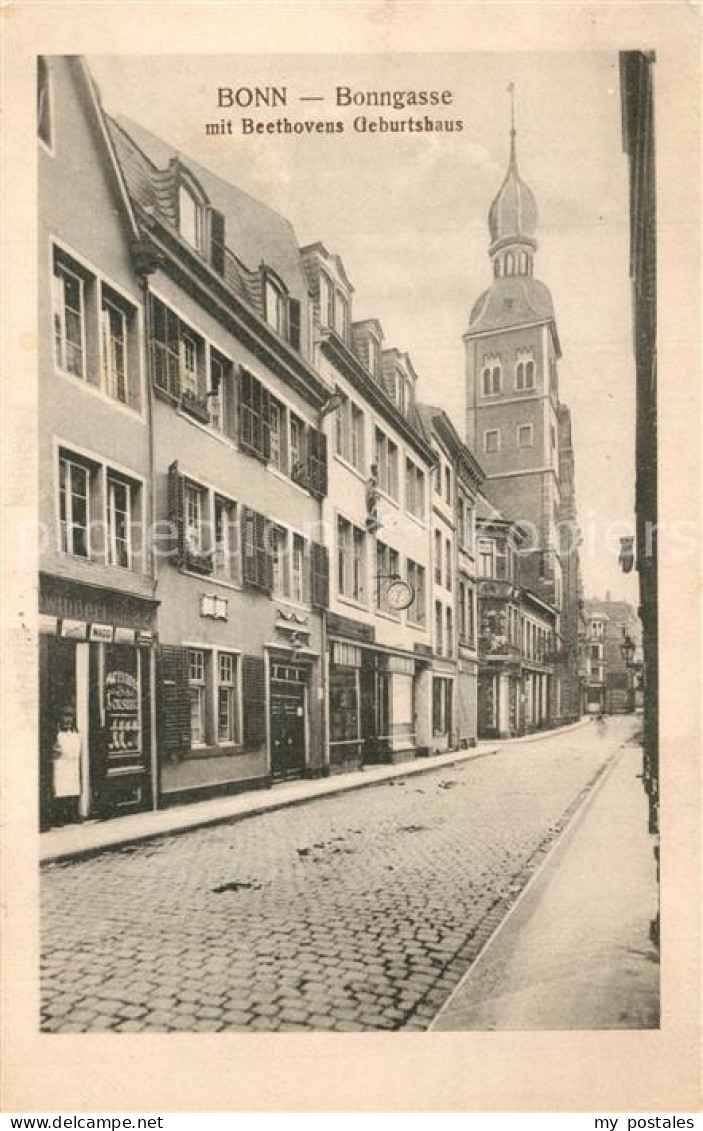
[254, 702]
[174, 712]
[320, 576]
[176, 513]
[257, 564]
[217, 241]
[254, 416]
[317, 462]
[294, 322]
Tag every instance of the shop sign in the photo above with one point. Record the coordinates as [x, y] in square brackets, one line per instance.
[48, 624]
[101, 632]
[74, 629]
[124, 636]
[354, 629]
[145, 637]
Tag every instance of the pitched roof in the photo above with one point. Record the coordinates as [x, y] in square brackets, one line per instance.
[254, 232]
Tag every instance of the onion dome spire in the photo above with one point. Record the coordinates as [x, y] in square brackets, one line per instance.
[512, 218]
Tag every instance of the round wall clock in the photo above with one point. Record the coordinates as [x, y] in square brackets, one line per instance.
[399, 595]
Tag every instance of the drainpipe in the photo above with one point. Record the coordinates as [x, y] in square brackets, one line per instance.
[145, 267]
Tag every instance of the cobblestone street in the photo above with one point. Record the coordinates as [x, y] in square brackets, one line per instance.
[356, 912]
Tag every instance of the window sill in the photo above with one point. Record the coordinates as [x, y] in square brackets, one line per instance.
[352, 603]
[416, 624]
[278, 474]
[421, 522]
[208, 429]
[394, 619]
[350, 467]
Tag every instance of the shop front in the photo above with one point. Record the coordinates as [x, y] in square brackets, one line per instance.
[96, 680]
[372, 700]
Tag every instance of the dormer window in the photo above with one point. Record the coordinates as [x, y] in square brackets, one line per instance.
[276, 304]
[189, 217]
[491, 375]
[326, 301]
[342, 320]
[375, 357]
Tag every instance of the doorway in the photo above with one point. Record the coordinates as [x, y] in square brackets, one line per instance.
[288, 710]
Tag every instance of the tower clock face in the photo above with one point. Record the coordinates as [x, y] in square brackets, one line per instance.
[399, 595]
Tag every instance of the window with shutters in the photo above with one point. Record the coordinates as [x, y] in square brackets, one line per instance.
[222, 405]
[254, 416]
[276, 306]
[298, 590]
[190, 217]
[277, 423]
[218, 250]
[257, 559]
[253, 702]
[197, 684]
[280, 561]
[316, 462]
[226, 540]
[319, 576]
[294, 323]
[227, 714]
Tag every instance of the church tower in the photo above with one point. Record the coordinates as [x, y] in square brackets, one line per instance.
[512, 351]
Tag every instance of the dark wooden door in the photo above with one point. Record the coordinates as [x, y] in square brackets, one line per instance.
[287, 731]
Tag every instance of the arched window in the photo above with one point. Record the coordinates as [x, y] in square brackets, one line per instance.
[496, 268]
[510, 264]
[525, 370]
[491, 375]
[189, 217]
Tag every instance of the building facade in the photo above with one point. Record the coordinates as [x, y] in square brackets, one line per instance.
[611, 681]
[456, 481]
[259, 559]
[516, 422]
[517, 635]
[97, 581]
[375, 521]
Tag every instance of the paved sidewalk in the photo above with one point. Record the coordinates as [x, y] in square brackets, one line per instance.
[97, 836]
[574, 952]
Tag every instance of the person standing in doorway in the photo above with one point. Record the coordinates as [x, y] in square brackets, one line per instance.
[66, 766]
